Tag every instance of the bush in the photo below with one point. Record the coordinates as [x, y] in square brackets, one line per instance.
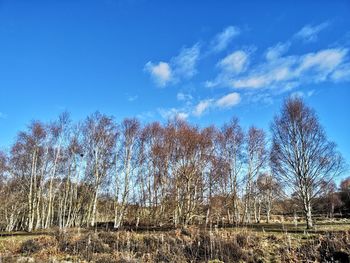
[30, 246]
[88, 244]
[105, 258]
[331, 247]
[190, 245]
[242, 240]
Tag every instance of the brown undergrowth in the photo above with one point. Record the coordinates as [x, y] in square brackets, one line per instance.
[182, 245]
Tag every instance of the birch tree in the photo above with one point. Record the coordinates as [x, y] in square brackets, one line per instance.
[268, 191]
[129, 133]
[302, 156]
[256, 159]
[99, 142]
[231, 142]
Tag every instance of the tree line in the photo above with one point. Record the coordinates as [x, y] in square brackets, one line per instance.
[65, 174]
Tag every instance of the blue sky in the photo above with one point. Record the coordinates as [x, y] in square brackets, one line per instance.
[205, 61]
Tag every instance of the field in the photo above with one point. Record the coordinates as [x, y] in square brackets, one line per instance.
[329, 241]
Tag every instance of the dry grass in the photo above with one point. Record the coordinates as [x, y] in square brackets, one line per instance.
[182, 245]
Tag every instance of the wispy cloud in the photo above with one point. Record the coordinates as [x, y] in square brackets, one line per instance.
[229, 100]
[272, 71]
[173, 113]
[223, 39]
[287, 72]
[232, 65]
[342, 73]
[283, 71]
[310, 33]
[225, 102]
[320, 64]
[3, 115]
[302, 94]
[263, 98]
[277, 50]
[201, 107]
[182, 66]
[180, 96]
[185, 63]
[236, 62]
[132, 98]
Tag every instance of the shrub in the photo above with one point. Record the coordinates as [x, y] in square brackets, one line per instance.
[242, 239]
[105, 258]
[190, 245]
[30, 246]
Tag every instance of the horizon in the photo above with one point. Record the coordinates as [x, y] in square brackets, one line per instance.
[142, 59]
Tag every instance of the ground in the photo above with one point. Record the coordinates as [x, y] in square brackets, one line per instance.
[329, 241]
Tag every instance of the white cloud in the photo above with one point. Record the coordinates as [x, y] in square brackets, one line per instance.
[288, 72]
[277, 50]
[265, 75]
[233, 64]
[263, 98]
[180, 67]
[251, 82]
[197, 110]
[211, 83]
[310, 33]
[284, 72]
[161, 72]
[322, 62]
[222, 39]
[342, 73]
[229, 100]
[173, 113]
[302, 94]
[180, 96]
[201, 107]
[182, 115]
[185, 63]
[236, 62]
[278, 70]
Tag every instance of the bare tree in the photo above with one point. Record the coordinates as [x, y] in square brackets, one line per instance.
[345, 193]
[56, 133]
[329, 198]
[231, 141]
[27, 160]
[268, 190]
[301, 155]
[129, 138]
[100, 139]
[256, 158]
[188, 161]
[64, 175]
[3, 165]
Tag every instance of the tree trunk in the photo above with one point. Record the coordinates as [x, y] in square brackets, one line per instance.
[268, 211]
[308, 216]
[30, 215]
[94, 208]
[50, 205]
[259, 211]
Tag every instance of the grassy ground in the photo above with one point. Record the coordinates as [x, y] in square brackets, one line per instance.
[319, 228]
[275, 242]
